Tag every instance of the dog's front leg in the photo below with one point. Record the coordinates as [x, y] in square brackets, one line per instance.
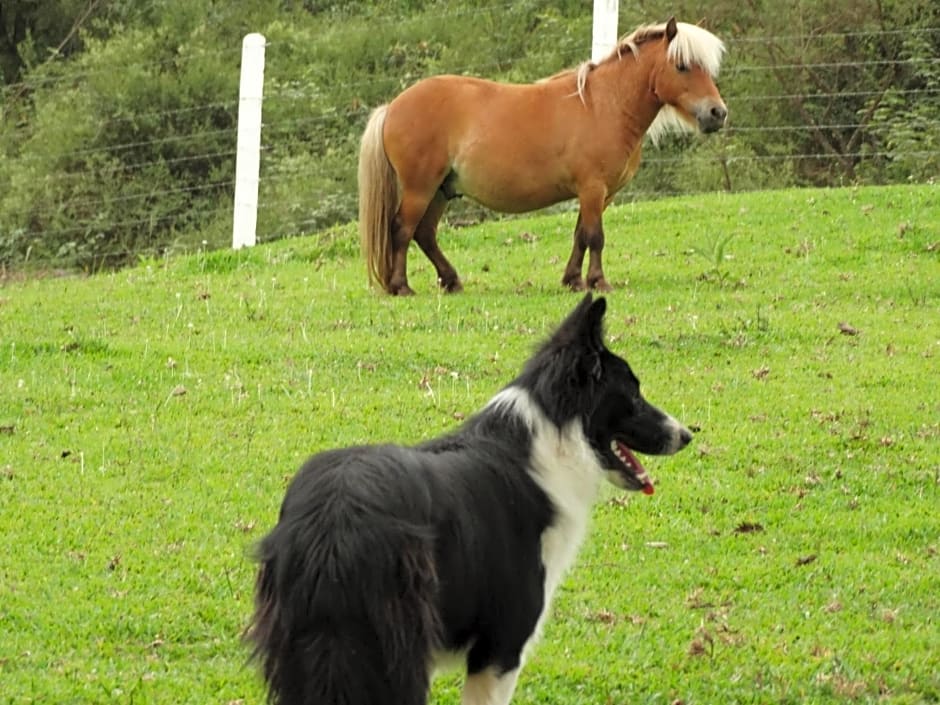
[489, 687]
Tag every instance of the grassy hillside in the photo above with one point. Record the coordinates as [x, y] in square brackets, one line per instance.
[150, 419]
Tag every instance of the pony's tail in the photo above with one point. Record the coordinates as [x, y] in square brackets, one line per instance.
[358, 628]
[378, 200]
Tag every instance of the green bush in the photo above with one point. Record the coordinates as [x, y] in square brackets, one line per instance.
[124, 144]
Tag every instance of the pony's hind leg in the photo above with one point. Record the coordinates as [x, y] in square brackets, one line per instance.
[426, 237]
[404, 225]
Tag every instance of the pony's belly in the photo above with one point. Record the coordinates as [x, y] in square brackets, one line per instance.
[520, 194]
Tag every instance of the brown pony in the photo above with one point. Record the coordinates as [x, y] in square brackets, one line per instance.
[517, 148]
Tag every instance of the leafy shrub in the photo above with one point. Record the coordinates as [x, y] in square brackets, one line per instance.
[125, 144]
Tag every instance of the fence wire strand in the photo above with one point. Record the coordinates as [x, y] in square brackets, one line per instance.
[215, 146]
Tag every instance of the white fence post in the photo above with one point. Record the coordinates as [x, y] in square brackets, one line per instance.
[605, 28]
[248, 155]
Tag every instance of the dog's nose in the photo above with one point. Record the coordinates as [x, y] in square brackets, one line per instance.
[685, 437]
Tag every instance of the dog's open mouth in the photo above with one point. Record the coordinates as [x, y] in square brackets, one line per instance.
[633, 466]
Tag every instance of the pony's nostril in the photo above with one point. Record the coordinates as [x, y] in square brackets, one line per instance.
[711, 117]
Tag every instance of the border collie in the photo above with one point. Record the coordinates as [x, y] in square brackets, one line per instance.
[388, 560]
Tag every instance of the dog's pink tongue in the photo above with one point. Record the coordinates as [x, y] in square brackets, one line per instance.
[638, 470]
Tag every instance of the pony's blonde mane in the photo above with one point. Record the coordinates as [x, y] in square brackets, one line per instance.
[691, 45]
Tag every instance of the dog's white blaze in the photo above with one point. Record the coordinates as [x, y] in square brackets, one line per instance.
[519, 402]
[566, 468]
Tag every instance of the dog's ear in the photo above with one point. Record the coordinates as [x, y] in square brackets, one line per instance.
[593, 331]
[592, 337]
[571, 328]
[584, 325]
[583, 331]
[578, 343]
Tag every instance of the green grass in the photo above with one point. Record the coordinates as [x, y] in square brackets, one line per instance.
[150, 419]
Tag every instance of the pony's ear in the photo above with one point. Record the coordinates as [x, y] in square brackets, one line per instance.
[671, 29]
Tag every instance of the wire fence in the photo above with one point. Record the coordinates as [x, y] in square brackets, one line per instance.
[293, 108]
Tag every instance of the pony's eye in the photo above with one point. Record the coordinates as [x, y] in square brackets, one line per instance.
[682, 68]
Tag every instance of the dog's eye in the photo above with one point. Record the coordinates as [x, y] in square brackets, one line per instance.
[682, 68]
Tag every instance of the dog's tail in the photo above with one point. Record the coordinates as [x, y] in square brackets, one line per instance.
[378, 200]
[347, 619]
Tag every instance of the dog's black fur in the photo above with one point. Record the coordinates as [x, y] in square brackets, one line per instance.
[386, 557]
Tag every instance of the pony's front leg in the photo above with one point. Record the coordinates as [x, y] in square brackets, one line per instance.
[588, 237]
[595, 272]
[572, 278]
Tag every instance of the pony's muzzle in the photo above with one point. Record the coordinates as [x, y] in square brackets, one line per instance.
[711, 116]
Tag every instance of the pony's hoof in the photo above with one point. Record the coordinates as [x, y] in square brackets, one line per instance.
[602, 286]
[402, 290]
[575, 284]
[451, 287]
